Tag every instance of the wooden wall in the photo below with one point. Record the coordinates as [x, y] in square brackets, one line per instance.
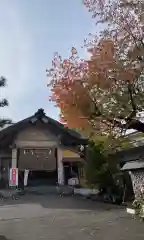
[35, 137]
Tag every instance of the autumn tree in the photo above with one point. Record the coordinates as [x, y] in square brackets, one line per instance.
[3, 103]
[123, 22]
[106, 92]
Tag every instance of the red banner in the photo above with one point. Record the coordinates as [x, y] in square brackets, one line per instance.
[13, 176]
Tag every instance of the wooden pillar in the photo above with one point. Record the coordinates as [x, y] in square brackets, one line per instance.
[60, 167]
[14, 158]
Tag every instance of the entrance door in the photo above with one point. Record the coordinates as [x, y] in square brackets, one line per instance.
[41, 164]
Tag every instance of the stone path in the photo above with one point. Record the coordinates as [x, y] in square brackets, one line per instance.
[52, 217]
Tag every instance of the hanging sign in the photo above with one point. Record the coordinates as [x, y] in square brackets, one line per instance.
[26, 173]
[13, 177]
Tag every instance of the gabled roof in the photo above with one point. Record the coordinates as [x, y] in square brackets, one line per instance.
[133, 165]
[66, 135]
[131, 154]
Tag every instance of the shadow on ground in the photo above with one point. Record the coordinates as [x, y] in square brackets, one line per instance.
[2, 237]
[57, 202]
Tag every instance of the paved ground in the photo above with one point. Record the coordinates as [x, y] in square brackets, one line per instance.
[52, 217]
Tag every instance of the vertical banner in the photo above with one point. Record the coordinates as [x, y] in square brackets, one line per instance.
[26, 173]
[13, 177]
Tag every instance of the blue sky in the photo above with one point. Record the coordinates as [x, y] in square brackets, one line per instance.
[30, 32]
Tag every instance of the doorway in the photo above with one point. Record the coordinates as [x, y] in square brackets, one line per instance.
[42, 166]
[70, 170]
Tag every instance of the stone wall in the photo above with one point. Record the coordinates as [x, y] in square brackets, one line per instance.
[137, 178]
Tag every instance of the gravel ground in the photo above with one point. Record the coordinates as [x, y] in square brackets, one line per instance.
[51, 217]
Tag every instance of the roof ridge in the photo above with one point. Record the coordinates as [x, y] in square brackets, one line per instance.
[39, 115]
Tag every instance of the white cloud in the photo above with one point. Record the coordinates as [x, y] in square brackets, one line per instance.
[15, 56]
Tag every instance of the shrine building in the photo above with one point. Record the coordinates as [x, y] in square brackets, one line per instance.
[49, 150]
